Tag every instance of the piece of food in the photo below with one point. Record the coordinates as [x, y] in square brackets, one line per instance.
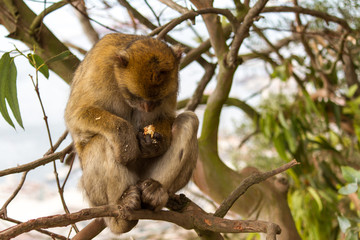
[150, 129]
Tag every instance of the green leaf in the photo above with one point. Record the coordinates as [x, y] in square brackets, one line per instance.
[290, 139]
[348, 189]
[279, 143]
[39, 64]
[316, 197]
[350, 174]
[344, 223]
[11, 93]
[310, 105]
[337, 114]
[352, 90]
[8, 91]
[61, 56]
[280, 72]
[282, 120]
[4, 78]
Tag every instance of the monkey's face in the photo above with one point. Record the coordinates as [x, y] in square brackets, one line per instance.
[147, 74]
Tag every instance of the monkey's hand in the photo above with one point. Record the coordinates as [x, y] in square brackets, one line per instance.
[151, 146]
[153, 195]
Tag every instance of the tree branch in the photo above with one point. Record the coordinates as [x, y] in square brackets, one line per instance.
[42, 161]
[243, 31]
[192, 14]
[323, 15]
[248, 182]
[191, 217]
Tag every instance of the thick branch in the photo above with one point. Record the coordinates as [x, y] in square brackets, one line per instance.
[192, 217]
[17, 17]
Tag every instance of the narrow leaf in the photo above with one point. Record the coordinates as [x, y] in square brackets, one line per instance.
[61, 56]
[279, 143]
[11, 93]
[39, 64]
[316, 197]
[4, 75]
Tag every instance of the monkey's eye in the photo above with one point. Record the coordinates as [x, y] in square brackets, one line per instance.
[163, 72]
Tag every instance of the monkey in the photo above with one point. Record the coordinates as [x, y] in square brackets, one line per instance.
[125, 83]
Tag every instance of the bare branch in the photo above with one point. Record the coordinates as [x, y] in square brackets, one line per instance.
[58, 142]
[42, 161]
[3, 211]
[38, 19]
[175, 6]
[197, 96]
[85, 21]
[51, 234]
[323, 15]
[192, 217]
[243, 31]
[192, 14]
[248, 182]
[95, 227]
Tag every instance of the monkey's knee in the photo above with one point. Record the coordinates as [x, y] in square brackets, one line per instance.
[185, 123]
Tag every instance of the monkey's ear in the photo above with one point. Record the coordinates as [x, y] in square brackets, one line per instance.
[178, 51]
[122, 58]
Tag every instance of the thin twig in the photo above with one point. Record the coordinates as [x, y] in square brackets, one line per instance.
[248, 182]
[3, 210]
[58, 142]
[175, 6]
[192, 14]
[39, 162]
[153, 12]
[198, 93]
[296, 9]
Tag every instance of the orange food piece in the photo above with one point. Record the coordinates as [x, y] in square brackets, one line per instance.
[150, 129]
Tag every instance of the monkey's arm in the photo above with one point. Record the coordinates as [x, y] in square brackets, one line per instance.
[173, 170]
[90, 121]
[156, 145]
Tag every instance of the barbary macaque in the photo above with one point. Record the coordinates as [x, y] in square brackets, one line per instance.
[128, 84]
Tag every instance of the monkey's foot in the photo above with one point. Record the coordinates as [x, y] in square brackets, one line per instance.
[130, 199]
[153, 195]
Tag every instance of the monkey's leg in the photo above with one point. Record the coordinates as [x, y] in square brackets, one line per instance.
[173, 170]
[105, 181]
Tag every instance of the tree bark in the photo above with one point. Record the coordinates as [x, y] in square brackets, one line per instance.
[18, 18]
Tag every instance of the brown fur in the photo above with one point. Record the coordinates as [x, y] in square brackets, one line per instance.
[125, 83]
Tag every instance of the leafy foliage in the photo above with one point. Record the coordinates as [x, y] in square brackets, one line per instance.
[8, 91]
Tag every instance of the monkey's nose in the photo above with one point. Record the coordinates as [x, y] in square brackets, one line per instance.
[148, 106]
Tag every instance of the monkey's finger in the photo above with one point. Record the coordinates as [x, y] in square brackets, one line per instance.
[157, 136]
[148, 139]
